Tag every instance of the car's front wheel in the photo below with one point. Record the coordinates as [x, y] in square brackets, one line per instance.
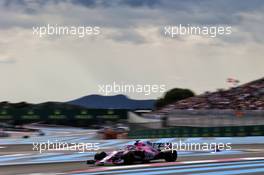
[99, 156]
[170, 156]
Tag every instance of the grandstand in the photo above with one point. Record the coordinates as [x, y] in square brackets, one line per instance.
[238, 106]
[249, 96]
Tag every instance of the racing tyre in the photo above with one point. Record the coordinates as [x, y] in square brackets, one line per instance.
[128, 158]
[100, 156]
[90, 162]
[170, 156]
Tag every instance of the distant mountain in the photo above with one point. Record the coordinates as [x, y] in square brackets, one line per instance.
[90, 101]
[113, 102]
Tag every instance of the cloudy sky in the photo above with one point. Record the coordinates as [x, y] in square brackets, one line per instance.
[130, 48]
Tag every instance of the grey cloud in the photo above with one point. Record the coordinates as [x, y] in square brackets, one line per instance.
[181, 11]
[86, 3]
[129, 36]
[141, 3]
[7, 61]
[123, 15]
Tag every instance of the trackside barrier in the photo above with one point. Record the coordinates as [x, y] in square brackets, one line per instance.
[62, 116]
[182, 131]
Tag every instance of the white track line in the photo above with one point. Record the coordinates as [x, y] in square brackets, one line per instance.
[98, 169]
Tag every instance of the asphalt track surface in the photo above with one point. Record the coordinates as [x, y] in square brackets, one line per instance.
[17, 157]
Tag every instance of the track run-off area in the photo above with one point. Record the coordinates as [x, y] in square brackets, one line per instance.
[17, 156]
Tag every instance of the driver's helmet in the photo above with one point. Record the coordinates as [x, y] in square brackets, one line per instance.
[138, 143]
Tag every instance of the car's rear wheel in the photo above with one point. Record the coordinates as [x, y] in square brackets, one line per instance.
[99, 156]
[170, 156]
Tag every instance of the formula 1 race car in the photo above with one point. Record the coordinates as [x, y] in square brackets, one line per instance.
[141, 152]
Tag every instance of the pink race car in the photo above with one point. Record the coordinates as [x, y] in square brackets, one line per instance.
[141, 152]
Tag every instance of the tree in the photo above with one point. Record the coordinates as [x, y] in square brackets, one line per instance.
[174, 95]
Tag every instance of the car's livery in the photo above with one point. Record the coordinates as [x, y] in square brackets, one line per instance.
[138, 152]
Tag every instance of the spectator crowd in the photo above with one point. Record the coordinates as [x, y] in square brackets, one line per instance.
[249, 96]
